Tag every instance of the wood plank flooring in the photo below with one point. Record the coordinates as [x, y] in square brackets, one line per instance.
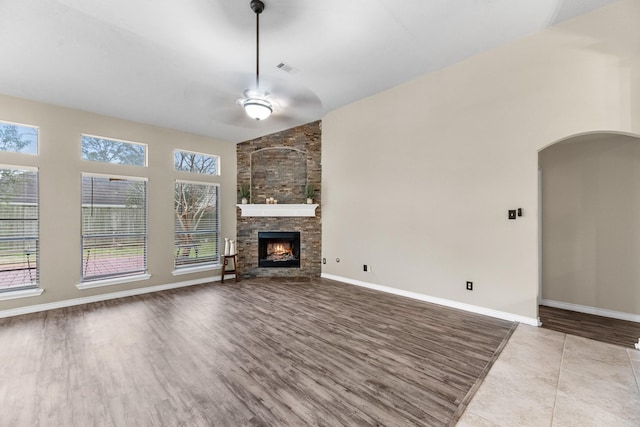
[276, 352]
[603, 329]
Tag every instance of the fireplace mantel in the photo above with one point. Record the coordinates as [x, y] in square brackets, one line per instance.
[278, 210]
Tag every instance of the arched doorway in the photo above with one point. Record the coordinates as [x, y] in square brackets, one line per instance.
[590, 227]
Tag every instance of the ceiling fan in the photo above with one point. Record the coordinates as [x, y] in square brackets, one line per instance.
[281, 99]
[256, 102]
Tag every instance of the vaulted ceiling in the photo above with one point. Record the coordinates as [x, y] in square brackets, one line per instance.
[184, 64]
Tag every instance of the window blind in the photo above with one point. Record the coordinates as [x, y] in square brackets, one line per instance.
[19, 225]
[114, 226]
[197, 227]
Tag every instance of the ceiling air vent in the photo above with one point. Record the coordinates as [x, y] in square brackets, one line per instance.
[287, 68]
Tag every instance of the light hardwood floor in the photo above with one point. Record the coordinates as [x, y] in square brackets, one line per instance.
[259, 352]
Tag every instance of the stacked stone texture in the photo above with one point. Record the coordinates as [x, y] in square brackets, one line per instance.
[280, 166]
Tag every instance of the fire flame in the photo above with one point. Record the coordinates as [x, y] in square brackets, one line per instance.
[279, 249]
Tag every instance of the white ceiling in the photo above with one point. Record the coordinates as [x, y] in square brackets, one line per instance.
[183, 64]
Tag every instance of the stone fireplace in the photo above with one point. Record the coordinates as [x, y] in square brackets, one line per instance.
[279, 166]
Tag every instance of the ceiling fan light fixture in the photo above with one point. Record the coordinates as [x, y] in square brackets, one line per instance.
[257, 109]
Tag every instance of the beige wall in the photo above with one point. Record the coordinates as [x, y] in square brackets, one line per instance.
[590, 225]
[60, 167]
[417, 180]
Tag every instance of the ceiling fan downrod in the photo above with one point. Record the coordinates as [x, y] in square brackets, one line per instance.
[257, 6]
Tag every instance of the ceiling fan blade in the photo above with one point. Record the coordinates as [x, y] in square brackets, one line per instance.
[293, 104]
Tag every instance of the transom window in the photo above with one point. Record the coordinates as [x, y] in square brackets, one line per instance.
[197, 228]
[18, 138]
[105, 150]
[19, 243]
[114, 226]
[188, 161]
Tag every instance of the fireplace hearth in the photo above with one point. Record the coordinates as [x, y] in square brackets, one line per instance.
[279, 249]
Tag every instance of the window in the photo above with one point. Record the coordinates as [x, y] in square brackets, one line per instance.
[197, 228]
[18, 138]
[196, 163]
[18, 228]
[114, 227]
[113, 151]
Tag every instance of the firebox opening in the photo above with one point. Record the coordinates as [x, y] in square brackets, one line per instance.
[279, 249]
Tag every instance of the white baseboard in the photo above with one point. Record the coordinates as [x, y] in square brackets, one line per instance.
[440, 301]
[104, 297]
[591, 310]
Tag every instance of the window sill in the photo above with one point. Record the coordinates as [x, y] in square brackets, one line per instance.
[114, 281]
[197, 269]
[22, 293]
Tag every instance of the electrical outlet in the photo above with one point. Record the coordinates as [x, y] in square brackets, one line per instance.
[324, 260]
[364, 267]
[469, 286]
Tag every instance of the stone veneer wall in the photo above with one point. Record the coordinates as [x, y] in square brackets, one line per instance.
[273, 171]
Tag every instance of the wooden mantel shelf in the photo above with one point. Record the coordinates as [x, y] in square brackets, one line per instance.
[278, 210]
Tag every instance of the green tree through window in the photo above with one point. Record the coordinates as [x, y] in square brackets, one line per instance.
[112, 151]
[18, 139]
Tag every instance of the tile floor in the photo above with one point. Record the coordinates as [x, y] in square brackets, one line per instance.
[547, 378]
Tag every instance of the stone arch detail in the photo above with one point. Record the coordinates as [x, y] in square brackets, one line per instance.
[278, 172]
